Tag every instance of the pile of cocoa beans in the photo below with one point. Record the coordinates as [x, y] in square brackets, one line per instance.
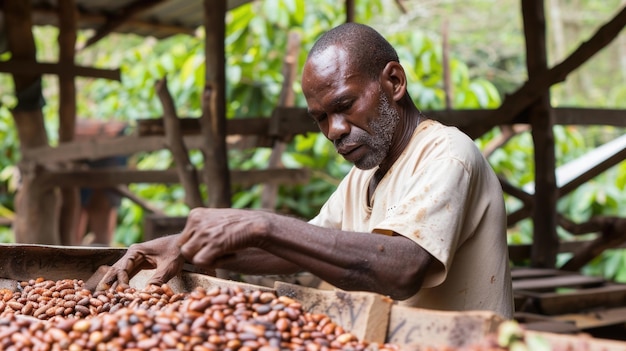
[45, 315]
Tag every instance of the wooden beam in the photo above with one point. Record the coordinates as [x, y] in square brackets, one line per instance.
[67, 86]
[112, 177]
[584, 168]
[91, 20]
[612, 295]
[561, 281]
[518, 101]
[544, 212]
[70, 197]
[185, 169]
[589, 116]
[96, 149]
[149, 132]
[518, 215]
[286, 98]
[191, 126]
[36, 220]
[521, 252]
[213, 119]
[612, 234]
[121, 16]
[16, 66]
[349, 10]
[286, 121]
[573, 174]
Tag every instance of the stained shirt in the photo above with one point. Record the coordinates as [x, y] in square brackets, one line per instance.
[442, 194]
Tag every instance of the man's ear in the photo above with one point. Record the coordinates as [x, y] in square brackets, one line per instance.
[394, 80]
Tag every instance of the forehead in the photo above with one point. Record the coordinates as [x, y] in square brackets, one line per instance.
[329, 61]
[327, 69]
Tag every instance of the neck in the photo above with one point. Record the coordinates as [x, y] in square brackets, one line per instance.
[410, 119]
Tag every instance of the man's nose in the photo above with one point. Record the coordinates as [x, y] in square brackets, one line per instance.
[338, 126]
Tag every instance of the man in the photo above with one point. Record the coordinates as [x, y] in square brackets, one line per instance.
[420, 217]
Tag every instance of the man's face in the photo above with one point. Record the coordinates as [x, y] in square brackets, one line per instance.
[351, 109]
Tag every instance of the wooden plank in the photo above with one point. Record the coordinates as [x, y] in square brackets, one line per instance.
[364, 314]
[613, 295]
[564, 281]
[100, 148]
[520, 252]
[576, 172]
[538, 322]
[24, 261]
[590, 116]
[188, 281]
[419, 329]
[580, 342]
[191, 126]
[597, 318]
[296, 120]
[518, 273]
[26, 67]
[103, 178]
[524, 273]
[123, 14]
[289, 121]
[544, 213]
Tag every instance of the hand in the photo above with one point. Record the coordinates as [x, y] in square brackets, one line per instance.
[211, 234]
[161, 254]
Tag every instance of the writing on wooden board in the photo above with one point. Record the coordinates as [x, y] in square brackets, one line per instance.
[429, 328]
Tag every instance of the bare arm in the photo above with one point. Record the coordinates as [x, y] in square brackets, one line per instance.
[389, 265]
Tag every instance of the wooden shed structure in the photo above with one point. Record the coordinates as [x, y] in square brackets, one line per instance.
[49, 177]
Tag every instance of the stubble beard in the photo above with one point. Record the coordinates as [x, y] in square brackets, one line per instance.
[382, 130]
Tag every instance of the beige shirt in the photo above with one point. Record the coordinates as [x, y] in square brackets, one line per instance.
[442, 194]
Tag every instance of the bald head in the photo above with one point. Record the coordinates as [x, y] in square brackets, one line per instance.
[367, 50]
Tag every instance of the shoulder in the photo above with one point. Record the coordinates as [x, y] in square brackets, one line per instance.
[434, 140]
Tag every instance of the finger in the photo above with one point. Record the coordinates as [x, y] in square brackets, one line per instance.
[123, 279]
[185, 236]
[191, 247]
[205, 256]
[162, 276]
[94, 281]
[188, 230]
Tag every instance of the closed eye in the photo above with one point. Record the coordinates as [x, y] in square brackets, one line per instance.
[344, 106]
[318, 116]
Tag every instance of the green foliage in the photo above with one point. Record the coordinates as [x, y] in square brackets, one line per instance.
[484, 64]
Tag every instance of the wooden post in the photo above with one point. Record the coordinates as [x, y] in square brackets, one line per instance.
[287, 99]
[37, 208]
[70, 204]
[544, 213]
[349, 10]
[173, 136]
[213, 120]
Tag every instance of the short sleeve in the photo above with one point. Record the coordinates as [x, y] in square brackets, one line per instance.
[331, 214]
[431, 212]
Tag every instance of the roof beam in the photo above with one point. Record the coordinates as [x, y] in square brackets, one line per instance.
[123, 15]
[515, 103]
[15, 66]
[89, 17]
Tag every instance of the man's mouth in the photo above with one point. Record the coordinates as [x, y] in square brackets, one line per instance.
[344, 150]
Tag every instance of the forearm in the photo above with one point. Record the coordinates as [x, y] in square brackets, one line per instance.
[390, 265]
[257, 262]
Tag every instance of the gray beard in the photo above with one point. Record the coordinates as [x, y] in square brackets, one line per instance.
[382, 129]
